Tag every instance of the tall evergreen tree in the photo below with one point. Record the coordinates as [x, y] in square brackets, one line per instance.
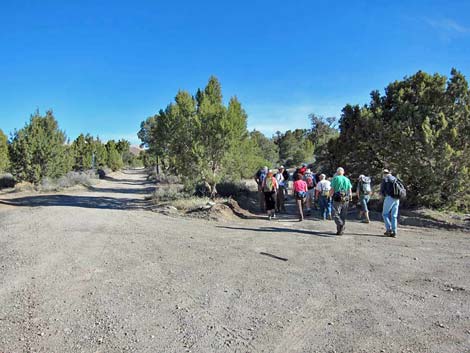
[38, 150]
[114, 157]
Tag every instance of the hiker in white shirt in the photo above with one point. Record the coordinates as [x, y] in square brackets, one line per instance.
[322, 194]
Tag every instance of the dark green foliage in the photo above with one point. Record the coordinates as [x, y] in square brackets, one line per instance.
[418, 129]
[323, 130]
[295, 147]
[82, 151]
[200, 139]
[265, 148]
[88, 153]
[114, 157]
[4, 155]
[128, 159]
[38, 150]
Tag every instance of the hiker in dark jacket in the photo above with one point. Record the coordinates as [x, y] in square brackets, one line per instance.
[286, 176]
[391, 204]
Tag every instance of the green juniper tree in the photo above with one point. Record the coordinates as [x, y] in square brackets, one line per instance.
[418, 130]
[201, 139]
[39, 150]
[114, 157]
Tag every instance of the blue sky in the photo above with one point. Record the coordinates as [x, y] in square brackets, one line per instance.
[104, 66]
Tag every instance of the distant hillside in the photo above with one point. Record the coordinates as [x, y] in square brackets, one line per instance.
[135, 150]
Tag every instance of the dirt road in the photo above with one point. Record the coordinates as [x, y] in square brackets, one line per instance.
[94, 271]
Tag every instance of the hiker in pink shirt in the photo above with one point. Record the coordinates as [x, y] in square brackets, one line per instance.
[300, 193]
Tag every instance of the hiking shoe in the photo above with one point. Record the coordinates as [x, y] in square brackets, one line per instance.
[393, 234]
[340, 230]
[388, 233]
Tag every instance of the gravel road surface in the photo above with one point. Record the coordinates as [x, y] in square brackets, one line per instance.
[97, 271]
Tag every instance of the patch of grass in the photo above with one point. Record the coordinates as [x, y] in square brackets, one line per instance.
[86, 178]
[169, 192]
[24, 186]
[190, 203]
[163, 178]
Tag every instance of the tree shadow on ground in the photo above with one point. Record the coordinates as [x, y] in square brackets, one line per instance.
[282, 230]
[416, 219]
[139, 191]
[126, 181]
[109, 203]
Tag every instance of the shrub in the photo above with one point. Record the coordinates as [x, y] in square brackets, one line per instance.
[7, 181]
[24, 186]
[191, 203]
[86, 178]
[39, 150]
[169, 193]
[163, 178]
[232, 189]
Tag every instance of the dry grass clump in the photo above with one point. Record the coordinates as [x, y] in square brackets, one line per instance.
[169, 192]
[163, 178]
[191, 203]
[71, 179]
[24, 186]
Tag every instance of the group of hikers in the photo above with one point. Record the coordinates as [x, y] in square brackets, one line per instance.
[330, 195]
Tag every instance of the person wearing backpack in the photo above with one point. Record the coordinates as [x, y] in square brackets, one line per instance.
[392, 190]
[341, 192]
[269, 188]
[309, 178]
[285, 174]
[300, 194]
[280, 196]
[364, 191]
[323, 196]
[259, 179]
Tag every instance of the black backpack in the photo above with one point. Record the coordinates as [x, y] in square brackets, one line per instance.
[399, 190]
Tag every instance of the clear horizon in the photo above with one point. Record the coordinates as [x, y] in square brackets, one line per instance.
[104, 67]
